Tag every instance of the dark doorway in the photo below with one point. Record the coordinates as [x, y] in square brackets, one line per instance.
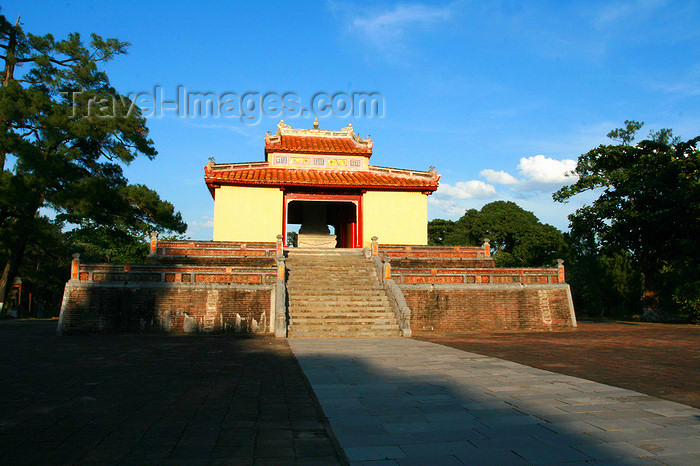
[339, 216]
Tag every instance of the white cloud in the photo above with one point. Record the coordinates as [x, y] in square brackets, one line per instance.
[387, 29]
[498, 177]
[544, 170]
[445, 207]
[626, 11]
[202, 224]
[538, 173]
[473, 189]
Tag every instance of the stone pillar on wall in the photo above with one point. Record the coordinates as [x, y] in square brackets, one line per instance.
[281, 292]
[75, 267]
[154, 244]
[560, 266]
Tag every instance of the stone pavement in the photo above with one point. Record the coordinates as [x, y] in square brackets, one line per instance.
[404, 401]
[154, 399]
[657, 359]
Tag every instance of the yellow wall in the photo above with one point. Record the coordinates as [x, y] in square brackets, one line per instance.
[247, 214]
[395, 217]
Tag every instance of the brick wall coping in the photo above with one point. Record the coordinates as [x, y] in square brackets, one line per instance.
[471, 275]
[483, 286]
[170, 285]
[165, 274]
[216, 244]
[212, 248]
[434, 252]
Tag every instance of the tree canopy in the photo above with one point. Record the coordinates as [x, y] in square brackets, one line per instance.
[648, 208]
[69, 132]
[517, 237]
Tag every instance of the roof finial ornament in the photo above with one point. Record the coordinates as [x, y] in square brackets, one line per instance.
[316, 123]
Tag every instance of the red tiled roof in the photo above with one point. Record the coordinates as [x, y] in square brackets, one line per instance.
[387, 179]
[317, 144]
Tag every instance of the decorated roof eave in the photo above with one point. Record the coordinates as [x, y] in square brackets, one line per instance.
[214, 184]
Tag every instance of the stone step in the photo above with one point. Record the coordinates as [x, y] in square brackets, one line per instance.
[331, 314]
[333, 272]
[341, 326]
[345, 304]
[325, 252]
[328, 265]
[336, 294]
[327, 289]
[319, 271]
[343, 334]
[341, 313]
[332, 292]
[338, 300]
[331, 278]
[333, 286]
[369, 321]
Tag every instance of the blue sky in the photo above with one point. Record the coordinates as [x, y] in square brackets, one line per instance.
[501, 97]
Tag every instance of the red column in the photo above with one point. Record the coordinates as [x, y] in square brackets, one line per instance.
[284, 218]
[358, 239]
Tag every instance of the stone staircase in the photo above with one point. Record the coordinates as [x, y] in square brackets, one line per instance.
[336, 293]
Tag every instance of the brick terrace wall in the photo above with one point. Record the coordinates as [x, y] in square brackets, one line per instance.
[489, 307]
[185, 296]
[460, 289]
[90, 306]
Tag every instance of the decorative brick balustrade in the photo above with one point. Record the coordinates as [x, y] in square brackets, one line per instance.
[212, 249]
[183, 274]
[434, 252]
[412, 276]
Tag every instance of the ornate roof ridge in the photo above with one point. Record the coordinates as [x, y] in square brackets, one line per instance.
[283, 129]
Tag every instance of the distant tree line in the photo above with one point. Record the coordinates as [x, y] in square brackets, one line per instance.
[632, 252]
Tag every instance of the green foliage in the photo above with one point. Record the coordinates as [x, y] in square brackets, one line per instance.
[648, 208]
[70, 132]
[517, 237]
[439, 231]
[602, 285]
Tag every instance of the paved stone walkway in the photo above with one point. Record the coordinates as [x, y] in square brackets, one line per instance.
[404, 401]
[154, 399]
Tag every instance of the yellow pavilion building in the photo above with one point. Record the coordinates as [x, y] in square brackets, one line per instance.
[321, 182]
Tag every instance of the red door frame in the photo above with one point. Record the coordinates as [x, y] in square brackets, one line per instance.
[355, 199]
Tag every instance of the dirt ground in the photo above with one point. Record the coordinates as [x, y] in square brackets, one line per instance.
[656, 359]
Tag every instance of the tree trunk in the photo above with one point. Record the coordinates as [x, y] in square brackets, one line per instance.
[9, 73]
[11, 267]
[22, 231]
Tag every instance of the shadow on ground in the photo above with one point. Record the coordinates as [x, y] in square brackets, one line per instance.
[154, 399]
